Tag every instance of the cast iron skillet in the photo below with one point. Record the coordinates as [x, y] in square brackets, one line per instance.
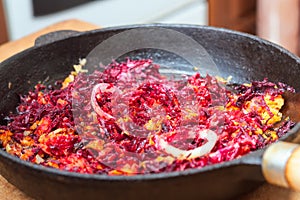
[242, 56]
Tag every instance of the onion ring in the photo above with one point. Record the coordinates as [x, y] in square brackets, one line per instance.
[102, 87]
[180, 154]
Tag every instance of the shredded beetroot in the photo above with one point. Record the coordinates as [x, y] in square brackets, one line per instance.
[151, 115]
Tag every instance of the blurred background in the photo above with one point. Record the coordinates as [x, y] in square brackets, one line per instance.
[275, 20]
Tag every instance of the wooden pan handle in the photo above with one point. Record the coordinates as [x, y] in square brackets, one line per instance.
[281, 165]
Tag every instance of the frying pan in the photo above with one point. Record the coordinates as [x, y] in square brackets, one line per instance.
[242, 56]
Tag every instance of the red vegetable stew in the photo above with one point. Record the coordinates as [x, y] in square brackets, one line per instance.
[130, 119]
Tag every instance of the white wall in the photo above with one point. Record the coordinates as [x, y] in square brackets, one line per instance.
[107, 13]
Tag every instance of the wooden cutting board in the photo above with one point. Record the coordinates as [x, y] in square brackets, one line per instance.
[9, 192]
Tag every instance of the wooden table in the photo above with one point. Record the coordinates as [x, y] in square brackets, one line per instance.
[9, 192]
[13, 47]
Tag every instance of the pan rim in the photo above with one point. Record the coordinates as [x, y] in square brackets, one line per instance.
[162, 175]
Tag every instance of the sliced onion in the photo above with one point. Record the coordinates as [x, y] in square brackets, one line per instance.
[211, 137]
[101, 87]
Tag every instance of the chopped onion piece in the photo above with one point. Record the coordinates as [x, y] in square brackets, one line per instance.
[101, 87]
[211, 137]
